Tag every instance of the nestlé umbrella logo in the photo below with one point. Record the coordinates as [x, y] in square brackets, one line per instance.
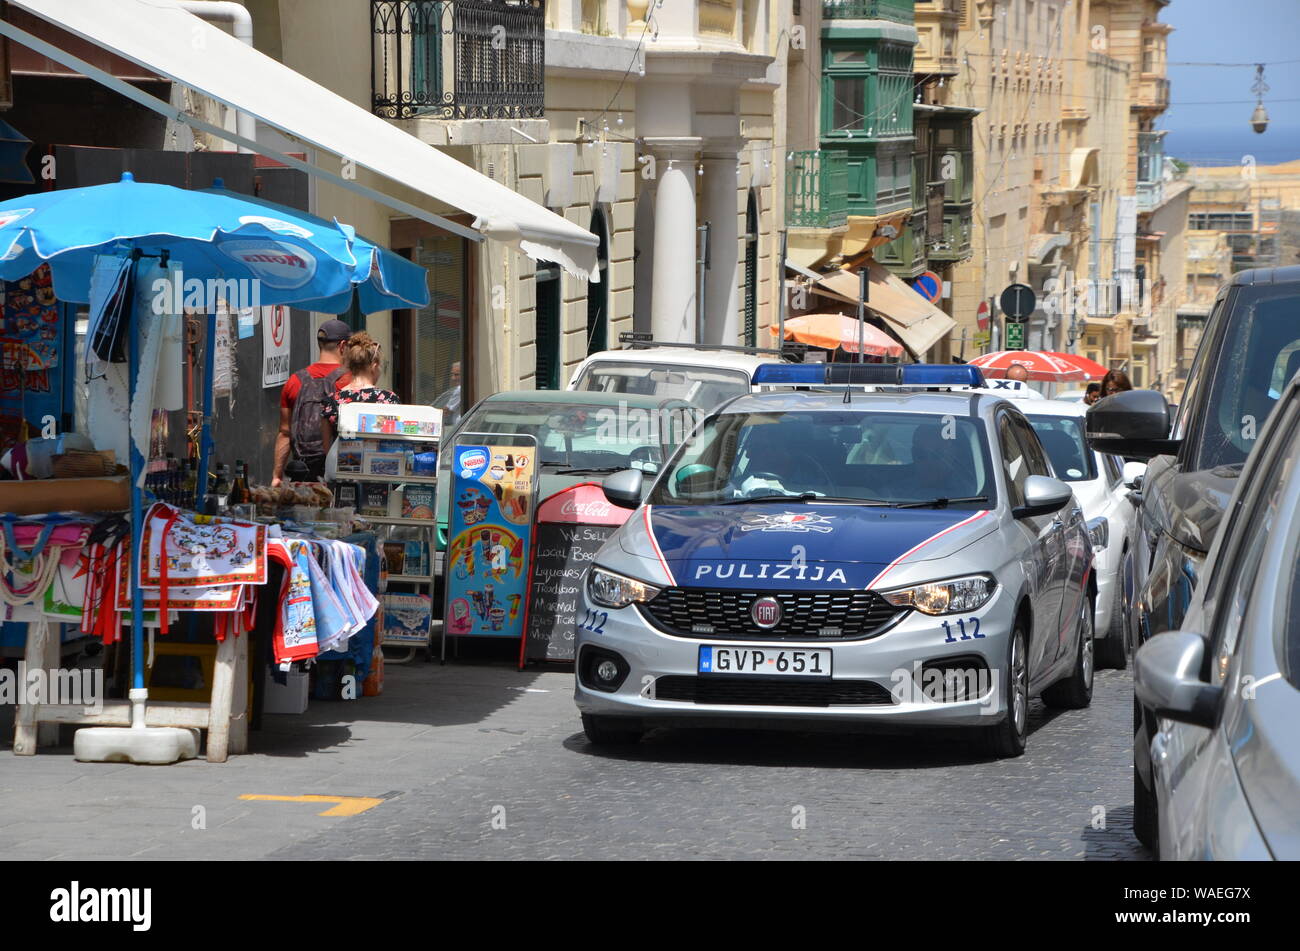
[277, 265]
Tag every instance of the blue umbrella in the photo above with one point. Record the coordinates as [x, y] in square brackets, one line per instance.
[288, 258]
[383, 280]
[293, 258]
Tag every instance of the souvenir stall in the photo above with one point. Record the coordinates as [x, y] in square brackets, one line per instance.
[162, 554]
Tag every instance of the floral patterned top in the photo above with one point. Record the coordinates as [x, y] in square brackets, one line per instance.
[366, 394]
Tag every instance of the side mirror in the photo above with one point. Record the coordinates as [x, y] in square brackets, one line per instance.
[1134, 473]
[1167, 679]
[623, 488]
[1132, 423]
[1043, 496]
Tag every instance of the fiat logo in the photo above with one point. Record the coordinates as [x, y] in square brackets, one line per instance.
[766, 612]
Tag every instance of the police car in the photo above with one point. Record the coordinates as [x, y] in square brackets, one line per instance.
[898, 555]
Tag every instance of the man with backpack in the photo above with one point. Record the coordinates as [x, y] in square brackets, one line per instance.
[301, 401]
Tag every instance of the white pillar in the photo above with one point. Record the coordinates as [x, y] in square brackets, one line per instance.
[672, 305]
[721, 299]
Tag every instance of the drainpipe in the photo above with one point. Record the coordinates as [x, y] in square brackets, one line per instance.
[241, 22]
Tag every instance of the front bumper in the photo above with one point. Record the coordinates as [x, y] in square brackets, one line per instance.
[893, 660]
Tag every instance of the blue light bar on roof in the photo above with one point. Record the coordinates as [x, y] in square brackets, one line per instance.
[828, 374]
[790, 374]
[942, 374]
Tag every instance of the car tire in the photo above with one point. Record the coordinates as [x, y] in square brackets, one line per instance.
[1113, 649]
[610, 731]
[1007, 738]
[1146, 827]
[1075, 691]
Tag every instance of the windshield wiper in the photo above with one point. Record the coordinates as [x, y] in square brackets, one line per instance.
[589, 469]
[940, 503]
[804, 497]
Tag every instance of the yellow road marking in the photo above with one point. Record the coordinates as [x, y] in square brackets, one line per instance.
[344, 805]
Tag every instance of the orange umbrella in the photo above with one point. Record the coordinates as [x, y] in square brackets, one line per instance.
[830, 331]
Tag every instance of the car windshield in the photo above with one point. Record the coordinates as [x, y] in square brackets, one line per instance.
[1259, 354]
[1062, 439]
[843, 456]
[585, 436]
[706, 387]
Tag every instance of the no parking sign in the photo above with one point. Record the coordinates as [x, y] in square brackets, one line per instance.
[275, 345]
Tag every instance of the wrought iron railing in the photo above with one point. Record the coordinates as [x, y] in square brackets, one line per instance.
[900, 11]
[816, 189]
[458, 59]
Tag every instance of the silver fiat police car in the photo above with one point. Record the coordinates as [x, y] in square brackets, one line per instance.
[899, 557]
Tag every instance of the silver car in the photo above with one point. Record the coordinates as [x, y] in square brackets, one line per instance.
[895, 559]
[1226, 687]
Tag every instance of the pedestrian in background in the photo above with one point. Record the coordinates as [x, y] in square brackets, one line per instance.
[1115, 381]
[1018, 371]
[301, 400]
[361, 359]
[1092, 394]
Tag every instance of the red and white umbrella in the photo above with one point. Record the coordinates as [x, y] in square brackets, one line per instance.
[1042, 365]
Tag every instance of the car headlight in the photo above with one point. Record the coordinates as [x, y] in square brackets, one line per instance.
[944, 597]
[615, 591]
[1099, 533]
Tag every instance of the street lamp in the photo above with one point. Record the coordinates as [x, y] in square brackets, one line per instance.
[1259, 118]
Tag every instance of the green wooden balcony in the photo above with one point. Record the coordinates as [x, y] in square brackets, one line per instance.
[905, 255]
[816, 189]
[899, 11]
[954, 242]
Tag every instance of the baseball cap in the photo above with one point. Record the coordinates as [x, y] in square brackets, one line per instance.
[333, 331]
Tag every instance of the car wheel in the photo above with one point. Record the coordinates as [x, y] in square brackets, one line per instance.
[610, 731]
[1145, 826]
[1007, 739]
[1113, 649]
[1075, 691]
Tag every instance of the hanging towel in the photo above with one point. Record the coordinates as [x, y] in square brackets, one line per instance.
[159, 385]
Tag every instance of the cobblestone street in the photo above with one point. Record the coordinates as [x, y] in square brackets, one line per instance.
[485, 762]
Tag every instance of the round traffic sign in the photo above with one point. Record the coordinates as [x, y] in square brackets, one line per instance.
[930, 286]
[1018, 301]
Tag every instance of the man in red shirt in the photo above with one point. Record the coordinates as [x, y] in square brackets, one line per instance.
[300, 408]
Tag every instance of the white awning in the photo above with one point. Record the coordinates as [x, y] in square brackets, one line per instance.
[162, 37]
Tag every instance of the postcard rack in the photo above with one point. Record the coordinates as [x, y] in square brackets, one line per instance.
[385, 466]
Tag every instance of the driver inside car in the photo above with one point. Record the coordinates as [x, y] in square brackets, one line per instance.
[768, 464]
[940, 466]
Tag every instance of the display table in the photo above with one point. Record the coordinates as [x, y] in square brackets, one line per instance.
[225, 717]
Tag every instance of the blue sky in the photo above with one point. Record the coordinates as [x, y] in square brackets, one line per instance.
[1237, 31]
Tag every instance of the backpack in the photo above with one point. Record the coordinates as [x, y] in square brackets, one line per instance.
[304, 427]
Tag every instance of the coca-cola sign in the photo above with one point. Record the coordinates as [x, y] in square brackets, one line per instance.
[583, 510]
[584, 503]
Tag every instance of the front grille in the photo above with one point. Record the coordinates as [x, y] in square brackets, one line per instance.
[818, 615]
[761, 692]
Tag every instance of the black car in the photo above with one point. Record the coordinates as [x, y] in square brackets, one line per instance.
[1249, 349]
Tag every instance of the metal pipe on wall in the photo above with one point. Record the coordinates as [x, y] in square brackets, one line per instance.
[241, 22]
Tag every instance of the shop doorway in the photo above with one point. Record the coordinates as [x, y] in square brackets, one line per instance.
[751, 271]
[643, 259]
[548, 326]
[598, 293]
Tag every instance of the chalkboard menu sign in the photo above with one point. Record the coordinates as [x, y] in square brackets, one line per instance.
[571, 527]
